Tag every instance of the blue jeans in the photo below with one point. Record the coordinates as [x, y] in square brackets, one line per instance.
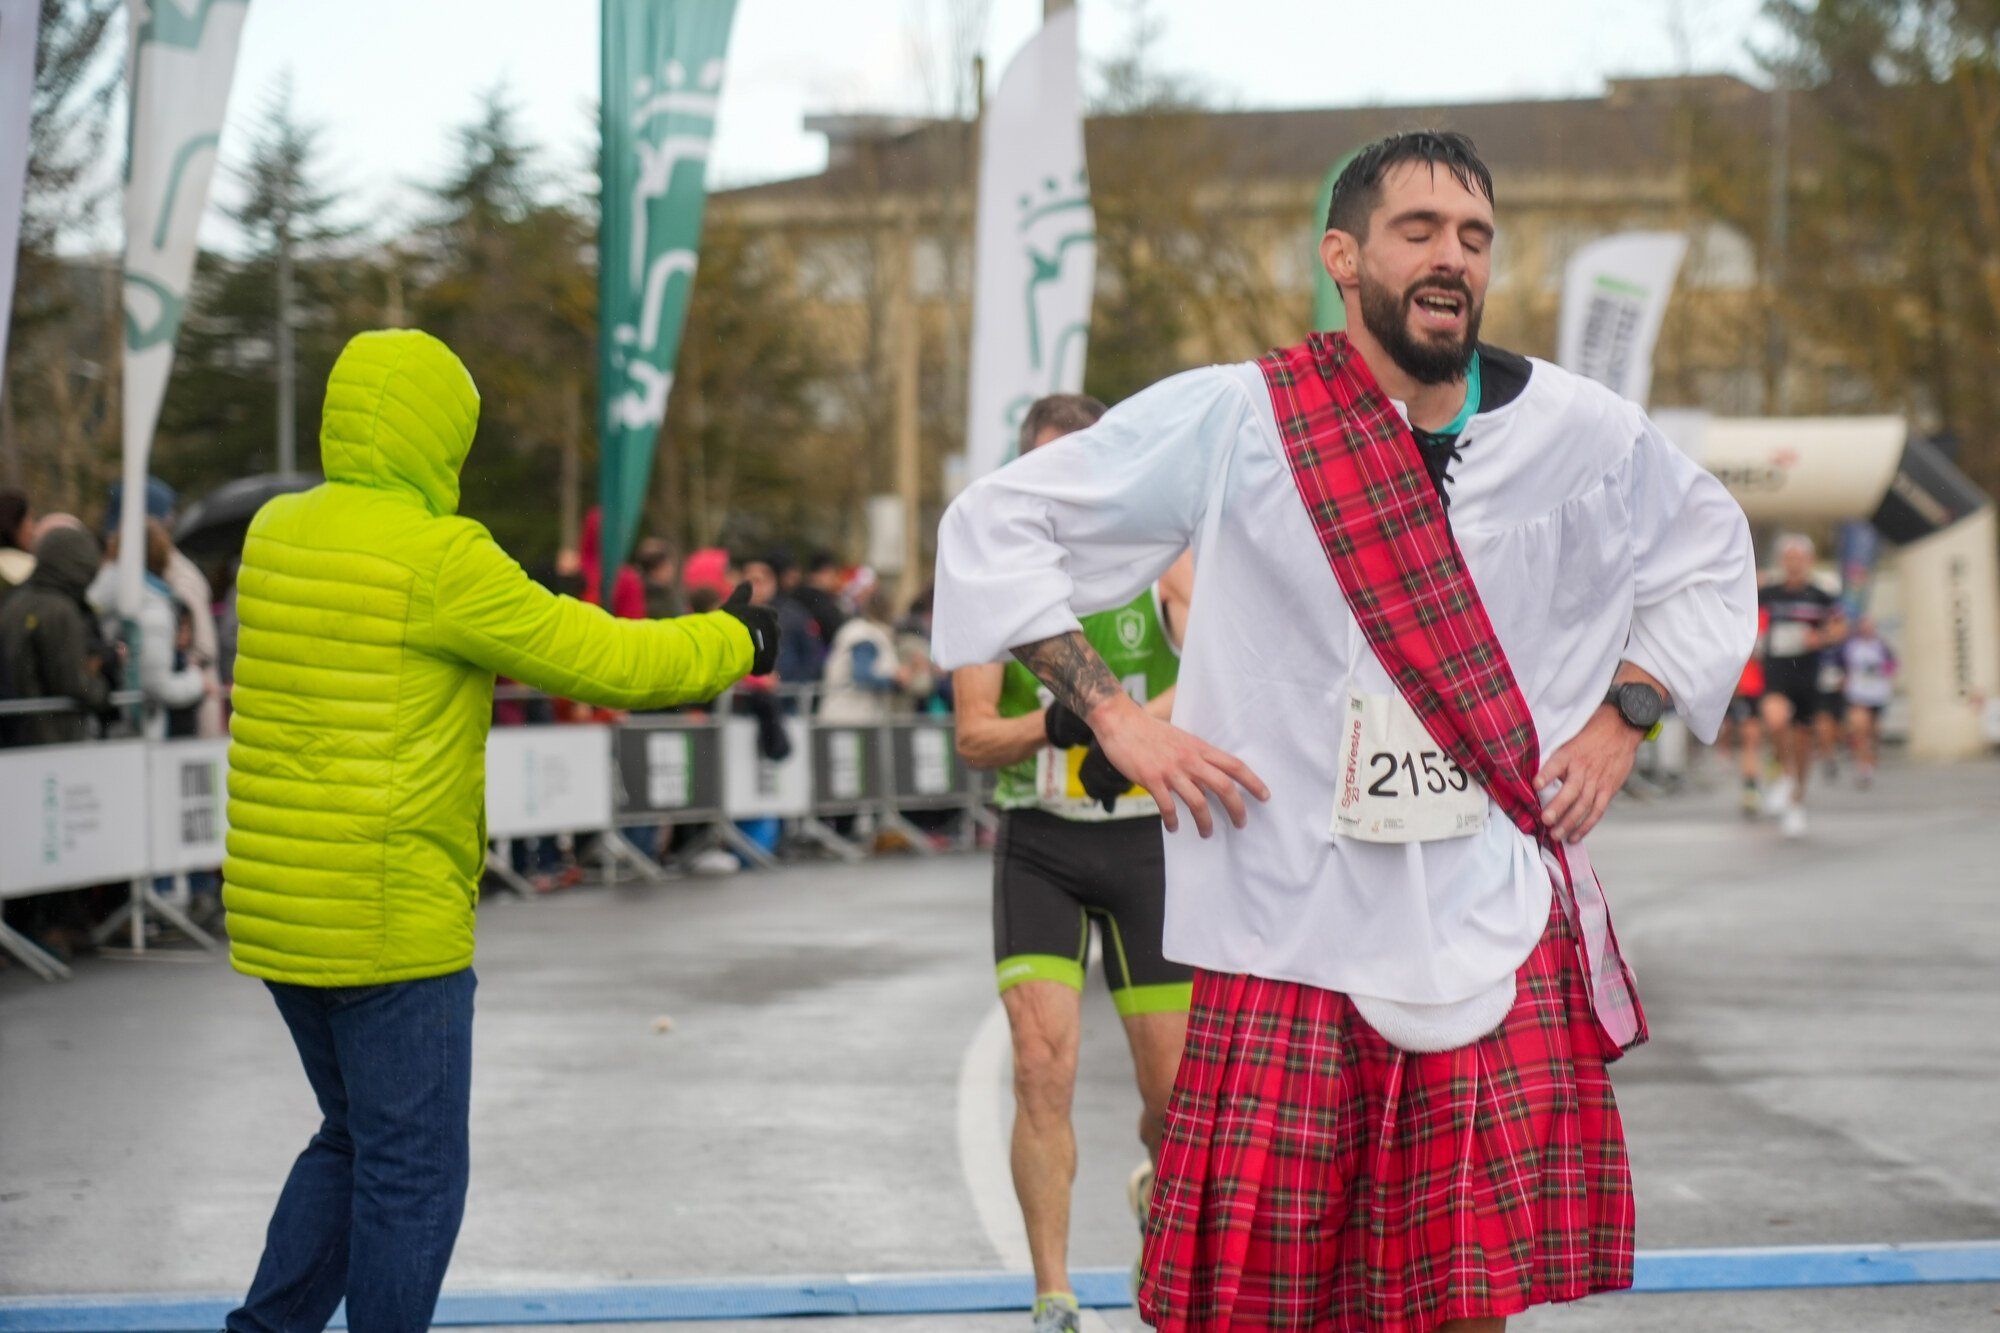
[372, 1207]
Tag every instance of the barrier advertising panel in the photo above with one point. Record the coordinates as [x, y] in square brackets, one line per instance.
[74, 815]
[924, 765]
[667, 768]
[187, 803]
[547, 780]
[847, 769]
[754, 787]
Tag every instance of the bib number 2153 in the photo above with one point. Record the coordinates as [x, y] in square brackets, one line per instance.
[1396, 783]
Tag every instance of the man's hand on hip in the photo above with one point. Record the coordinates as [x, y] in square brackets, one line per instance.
[1170, 763]
[1591, 769]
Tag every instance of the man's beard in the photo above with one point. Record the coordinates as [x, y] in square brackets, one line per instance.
[1386, 315]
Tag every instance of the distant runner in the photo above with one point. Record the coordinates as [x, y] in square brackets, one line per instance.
[1805, 620]
[1871, 684]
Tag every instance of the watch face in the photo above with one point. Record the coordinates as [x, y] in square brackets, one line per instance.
[1640, 704]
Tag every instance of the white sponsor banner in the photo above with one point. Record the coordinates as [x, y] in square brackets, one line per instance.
[19, 22]
[187, 802]
[1951, 637]
[1797, 469]
[1615, 294]
[179, 63]
[1036, 245]
[753, 787]
[73, 815]
[547, 780]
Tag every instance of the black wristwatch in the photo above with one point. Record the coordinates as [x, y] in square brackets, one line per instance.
[1639, 704]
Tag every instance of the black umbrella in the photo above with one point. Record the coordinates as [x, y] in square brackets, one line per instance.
[213, 527]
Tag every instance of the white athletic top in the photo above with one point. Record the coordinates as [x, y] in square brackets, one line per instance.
[1590, 537]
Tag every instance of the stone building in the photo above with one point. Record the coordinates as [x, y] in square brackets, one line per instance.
[1217, 207]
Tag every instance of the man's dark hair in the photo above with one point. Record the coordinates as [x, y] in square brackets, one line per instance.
[821, 561]
[1358, 192]
[14, 507]
[1058, 411]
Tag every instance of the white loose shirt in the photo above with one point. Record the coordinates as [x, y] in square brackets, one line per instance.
[1590, 537]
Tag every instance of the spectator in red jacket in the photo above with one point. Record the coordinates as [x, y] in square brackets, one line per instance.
[628, 591]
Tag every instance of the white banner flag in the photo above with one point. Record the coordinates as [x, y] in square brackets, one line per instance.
[19, 21]
[1037, 245]
[1615, 294]
[180, 60]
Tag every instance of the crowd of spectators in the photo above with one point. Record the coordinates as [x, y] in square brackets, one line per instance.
[847, 654]
[64, 641]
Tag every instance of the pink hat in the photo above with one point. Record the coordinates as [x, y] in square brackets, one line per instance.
[707, 568]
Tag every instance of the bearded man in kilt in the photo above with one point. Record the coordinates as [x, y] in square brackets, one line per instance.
[1442, 592]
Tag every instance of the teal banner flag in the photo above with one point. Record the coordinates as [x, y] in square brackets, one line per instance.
[662, 71]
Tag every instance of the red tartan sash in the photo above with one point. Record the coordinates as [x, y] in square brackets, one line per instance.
[1386, 537]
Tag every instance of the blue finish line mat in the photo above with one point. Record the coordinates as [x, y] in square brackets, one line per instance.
[1658, 1271]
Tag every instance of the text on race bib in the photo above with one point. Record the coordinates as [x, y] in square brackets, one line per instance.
[1396, 783]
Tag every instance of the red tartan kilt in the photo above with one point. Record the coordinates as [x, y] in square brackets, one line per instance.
[1317, 1180]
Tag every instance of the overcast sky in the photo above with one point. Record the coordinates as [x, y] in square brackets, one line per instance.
[388, 79]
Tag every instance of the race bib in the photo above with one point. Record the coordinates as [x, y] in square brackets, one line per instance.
[1396, 783]
[1790, 638]
[1059, 789]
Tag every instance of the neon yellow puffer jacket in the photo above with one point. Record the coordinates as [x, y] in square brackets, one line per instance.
[373, 621]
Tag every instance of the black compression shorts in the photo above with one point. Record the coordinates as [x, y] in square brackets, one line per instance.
[1052, 877]
[1797, 678]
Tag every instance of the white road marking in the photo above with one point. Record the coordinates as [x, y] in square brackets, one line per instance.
[983, 1138]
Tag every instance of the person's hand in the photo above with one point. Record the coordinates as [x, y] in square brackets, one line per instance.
[1064, 728]
[762, 622]
[1102, 782]
[1173, 764]
[1591, 769]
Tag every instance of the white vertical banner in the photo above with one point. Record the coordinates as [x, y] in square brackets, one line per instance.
[1036, 250]
[1615, 294]
[20, 21]
[179, 63]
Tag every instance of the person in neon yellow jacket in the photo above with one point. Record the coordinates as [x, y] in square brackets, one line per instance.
[373, 621]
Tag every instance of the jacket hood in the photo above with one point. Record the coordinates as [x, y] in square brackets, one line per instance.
[66, 560]
[400, 414]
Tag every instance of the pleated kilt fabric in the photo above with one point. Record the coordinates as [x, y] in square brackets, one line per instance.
[1315, 1179]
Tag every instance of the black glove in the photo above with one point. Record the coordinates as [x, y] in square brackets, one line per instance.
[1065, 729]
[1102, 782]
[762, 622]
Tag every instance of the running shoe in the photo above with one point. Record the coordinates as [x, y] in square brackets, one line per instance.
[1139, 1191]
[1794, 821]
[1057, 1312]
[1753, 800]
[1778, 797]
[1864, 777]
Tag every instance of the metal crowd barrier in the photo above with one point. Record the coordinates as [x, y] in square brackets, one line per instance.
[120, 809]
[68, 821]
[839, 788]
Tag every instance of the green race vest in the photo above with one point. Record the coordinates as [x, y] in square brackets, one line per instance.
[1133, 642]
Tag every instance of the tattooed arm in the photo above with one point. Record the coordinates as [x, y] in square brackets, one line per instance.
[1072, 670]
[1168, 762]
